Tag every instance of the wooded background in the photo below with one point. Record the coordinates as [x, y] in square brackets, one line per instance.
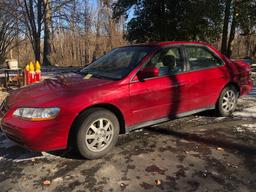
[75, 32]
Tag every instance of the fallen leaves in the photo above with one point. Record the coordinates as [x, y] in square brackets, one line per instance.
[47, 182]
[158, 182]
[122, 185]
[220, 149]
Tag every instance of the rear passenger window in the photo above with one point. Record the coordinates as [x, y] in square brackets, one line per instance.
[201, 57]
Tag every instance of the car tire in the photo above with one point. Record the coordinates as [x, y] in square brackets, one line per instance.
[97, 133]
[227, 101]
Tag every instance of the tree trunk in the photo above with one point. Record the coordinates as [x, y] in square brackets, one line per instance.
[47, 32]
[37, 49]
[232, 34]
[97, 46]
[225, 27]
[247, 45]
[110, 34]
[110, 25]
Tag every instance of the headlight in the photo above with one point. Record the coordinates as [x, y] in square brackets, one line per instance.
[37, 114]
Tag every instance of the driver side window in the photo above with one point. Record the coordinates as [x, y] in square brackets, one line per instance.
[167, 61]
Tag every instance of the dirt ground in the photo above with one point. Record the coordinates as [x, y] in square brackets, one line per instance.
[196, 153]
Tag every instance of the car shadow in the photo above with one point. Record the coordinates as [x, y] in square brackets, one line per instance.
[67, 154]
[209, 113]
[16, 153]
[209, 140]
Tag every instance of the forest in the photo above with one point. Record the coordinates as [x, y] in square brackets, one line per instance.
[76, 32]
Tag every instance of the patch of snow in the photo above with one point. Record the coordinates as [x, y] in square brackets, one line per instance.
[239, 129]
[246, 127]
[49, 156]
[220, 118]
[253, 92]
[247, 112]
[250, 127]
[32, 156]
[28, 156]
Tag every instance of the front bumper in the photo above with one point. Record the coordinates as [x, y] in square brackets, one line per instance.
[37, 136]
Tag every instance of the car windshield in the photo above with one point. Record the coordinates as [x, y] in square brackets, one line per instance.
[118, 63]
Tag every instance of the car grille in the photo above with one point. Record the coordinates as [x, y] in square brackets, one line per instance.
[3, 108]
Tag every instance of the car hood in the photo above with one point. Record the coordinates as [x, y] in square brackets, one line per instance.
[51, 90]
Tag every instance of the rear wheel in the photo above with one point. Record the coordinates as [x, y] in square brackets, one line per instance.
[98, 133]
[227, 102]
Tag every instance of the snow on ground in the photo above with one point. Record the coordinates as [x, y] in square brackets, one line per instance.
[250, 127]
[246, 128]
[246, 113]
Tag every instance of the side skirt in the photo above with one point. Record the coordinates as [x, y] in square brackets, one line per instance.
[162, 120]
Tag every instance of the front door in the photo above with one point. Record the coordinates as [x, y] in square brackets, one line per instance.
[164, 94]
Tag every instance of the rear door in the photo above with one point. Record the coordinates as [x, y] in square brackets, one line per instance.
[163, 95]
[207, 75]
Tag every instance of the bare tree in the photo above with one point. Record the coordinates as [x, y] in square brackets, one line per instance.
[63, 32]
[8, 30]
[32, 12]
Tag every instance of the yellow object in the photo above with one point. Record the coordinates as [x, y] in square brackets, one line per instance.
[38, 67]
[27, 67]
[31, 67]
[88, 76]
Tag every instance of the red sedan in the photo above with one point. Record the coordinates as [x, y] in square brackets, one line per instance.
[129, 88]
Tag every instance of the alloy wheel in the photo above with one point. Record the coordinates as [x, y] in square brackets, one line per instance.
[229, 101]
[99, 135]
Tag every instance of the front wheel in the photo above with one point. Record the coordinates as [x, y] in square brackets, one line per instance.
[227, 102]
[98, 133]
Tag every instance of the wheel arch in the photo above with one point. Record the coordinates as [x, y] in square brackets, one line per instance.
[235, 85]
[106, 106]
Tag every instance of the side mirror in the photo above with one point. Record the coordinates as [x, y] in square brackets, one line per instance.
[148, 73]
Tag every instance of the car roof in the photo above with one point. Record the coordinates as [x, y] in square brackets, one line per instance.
[166, 43]
[181, 43]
